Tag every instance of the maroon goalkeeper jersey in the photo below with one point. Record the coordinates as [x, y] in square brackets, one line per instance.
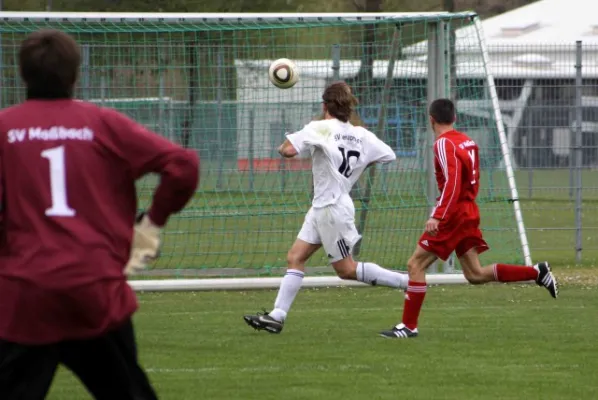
[456, 163]
[68, 171]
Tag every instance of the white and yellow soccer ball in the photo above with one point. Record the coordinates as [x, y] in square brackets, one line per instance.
[283, 73]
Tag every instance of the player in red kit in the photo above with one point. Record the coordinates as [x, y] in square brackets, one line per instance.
[454, 224]
[68, 229]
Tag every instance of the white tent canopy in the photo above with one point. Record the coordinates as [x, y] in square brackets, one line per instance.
[313, 73]
[549, 27]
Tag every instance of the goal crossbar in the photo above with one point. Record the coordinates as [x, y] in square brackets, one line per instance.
[219, 18]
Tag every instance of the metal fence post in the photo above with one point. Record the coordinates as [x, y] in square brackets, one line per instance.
[219, 97]
[433, 43]
[529, 154]
[438, 86]
[336, 61]
[250, 155]
[102, 90]
[162, 92]
[578, 149]
[283, 165]
[85, 71]
[573, 137]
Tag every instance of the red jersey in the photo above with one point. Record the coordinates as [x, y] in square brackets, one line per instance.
[67, 184]
[456, 164]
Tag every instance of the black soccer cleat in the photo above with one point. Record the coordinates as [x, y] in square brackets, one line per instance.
[262, 321]
[399, 332]
[546, 278]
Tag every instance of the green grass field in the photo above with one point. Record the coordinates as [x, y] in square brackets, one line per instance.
[485, 342]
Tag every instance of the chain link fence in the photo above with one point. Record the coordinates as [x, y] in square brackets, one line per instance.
[548, 97]
[549, 100]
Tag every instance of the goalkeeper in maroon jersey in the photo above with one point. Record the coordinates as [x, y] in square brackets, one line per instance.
[454, 224]
[69, 234]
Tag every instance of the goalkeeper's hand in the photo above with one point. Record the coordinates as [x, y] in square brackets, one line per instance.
[146, 245]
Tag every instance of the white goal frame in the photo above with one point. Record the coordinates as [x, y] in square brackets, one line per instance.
[182, 285]
[437, 83]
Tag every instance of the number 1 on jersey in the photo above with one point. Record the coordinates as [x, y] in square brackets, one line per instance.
[60, 207]
[473, 166]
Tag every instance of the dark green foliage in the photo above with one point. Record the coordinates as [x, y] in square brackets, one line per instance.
[485, 8]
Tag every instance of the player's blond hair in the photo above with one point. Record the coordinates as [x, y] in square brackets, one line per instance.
[340, 103]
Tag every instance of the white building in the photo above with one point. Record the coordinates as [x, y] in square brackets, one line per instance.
[548, 27]
[532, 53]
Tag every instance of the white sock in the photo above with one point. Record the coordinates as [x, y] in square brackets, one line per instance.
[289, 287]
[373, 274]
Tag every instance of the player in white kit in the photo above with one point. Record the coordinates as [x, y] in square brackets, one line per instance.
[340, 153]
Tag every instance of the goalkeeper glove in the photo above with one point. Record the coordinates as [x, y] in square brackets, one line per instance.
[146, 245]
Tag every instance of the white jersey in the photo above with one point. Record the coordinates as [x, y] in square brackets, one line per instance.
[340, 152]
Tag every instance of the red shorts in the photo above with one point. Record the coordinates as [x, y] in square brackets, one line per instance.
[459, 235]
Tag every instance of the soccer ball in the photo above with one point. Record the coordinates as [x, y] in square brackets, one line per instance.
[283, 73]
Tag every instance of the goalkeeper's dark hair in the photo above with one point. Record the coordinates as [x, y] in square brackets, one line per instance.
[49, 63]
[339, 101]
[443, 111]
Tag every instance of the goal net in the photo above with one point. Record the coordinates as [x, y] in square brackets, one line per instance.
[201, 80]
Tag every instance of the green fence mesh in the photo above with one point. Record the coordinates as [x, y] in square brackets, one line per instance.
[203, 83]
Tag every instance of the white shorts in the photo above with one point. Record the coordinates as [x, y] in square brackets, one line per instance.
[333, 227]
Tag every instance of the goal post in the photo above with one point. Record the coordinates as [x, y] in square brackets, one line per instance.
[201, 80]
[504, 144]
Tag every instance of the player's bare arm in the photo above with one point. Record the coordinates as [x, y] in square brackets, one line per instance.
[287, 150]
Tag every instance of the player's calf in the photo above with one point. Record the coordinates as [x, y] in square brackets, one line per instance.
[478, 276]
[346, 268]
[418, 263]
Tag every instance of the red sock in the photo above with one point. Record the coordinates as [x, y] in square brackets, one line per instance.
[414, 298]
[514, 273]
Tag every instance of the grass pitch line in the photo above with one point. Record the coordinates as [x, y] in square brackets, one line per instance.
[504, 306]
[228, 369]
